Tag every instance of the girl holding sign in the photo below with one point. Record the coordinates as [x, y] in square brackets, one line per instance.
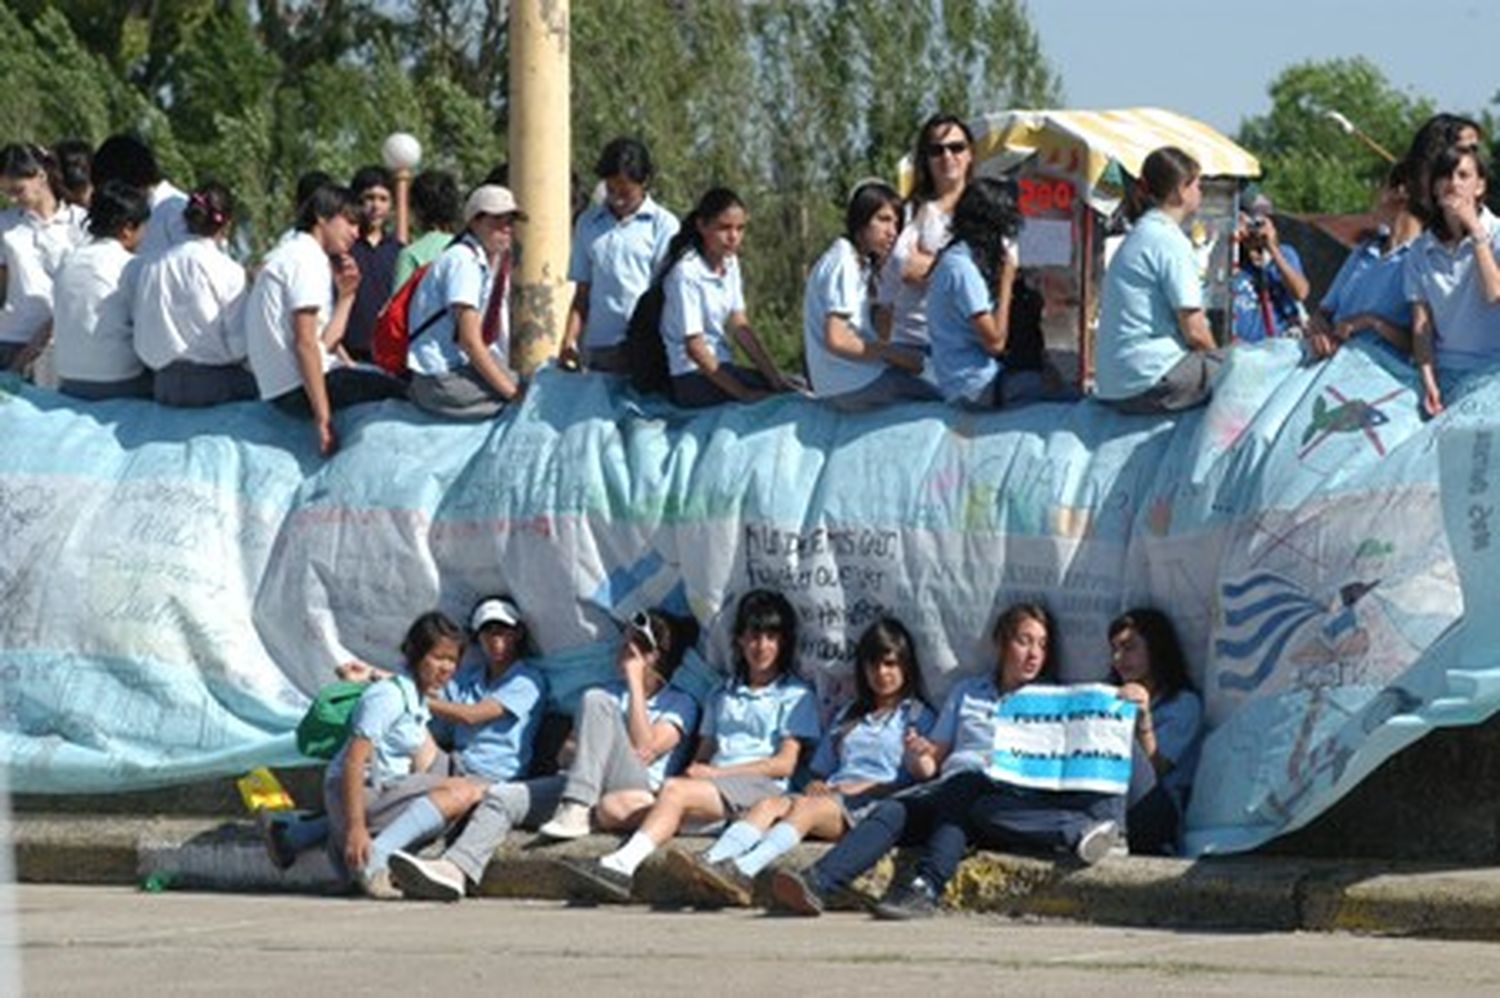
[938, 815]
[861, 760]
[1146, 659]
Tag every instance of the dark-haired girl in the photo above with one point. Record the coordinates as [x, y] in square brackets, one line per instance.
[1155, 349]
[704, 310]
[861, 759]
[1146, 660]
[378, 789]
[36, 232]
[943, 163]
[1453, 277]
[969, 303]
[296, 314]
[188, 308]
[1436, 135]
[618, 246]
[628, 737]
[754, 729]
[965, 805]
[848, 363]
[91, 334]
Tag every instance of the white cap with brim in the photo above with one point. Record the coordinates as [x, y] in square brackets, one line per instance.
[498, 610]
[491, 199]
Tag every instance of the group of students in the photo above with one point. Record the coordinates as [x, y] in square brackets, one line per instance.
[1426, 284]
[438, 754]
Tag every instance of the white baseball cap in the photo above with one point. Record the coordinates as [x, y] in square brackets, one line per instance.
[491, 199]
[496, 610]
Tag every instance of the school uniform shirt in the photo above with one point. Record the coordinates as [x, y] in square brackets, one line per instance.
[838, 285]
[1250, 313]
[377, 269]
[966, 724]
[871, 748]
[461, 276]
[928, 230]
[1178, 724]
[166, 227]
[392, 715]
[617, 258]
[32, 250]
[424, 250]
[749, 723]
[91, 337]
[1467, 328]
[956, 292]
[296, 275]
[501, 749]
[1152, 277]
[699, 301]
[669, 704]
[1371, 280]
[188, 305]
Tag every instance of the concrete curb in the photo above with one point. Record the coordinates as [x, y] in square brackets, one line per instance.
[1239, 893]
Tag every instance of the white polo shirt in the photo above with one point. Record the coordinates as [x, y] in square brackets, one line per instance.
[617, 258]
[838, 285]
[32, 250]
[296, 275]
[460, 276]
[91, 319]
[188, 305]
[699, 302]
[166, 227]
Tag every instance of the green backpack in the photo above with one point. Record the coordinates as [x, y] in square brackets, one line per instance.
[325, 727]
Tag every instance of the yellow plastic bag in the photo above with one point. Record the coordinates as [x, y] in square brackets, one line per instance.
[261, 791]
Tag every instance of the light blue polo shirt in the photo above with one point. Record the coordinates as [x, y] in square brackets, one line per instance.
[1178, 725]
[460, 276]
[749, 723]
[1467, 327]
[500, 750]
[956, 292]
[617, 258]
[871, 748]
[699, 302]
[966, 725]
[1371, 281]
[838, 285]
[677, 708]
[392, 715]
[1152, 277]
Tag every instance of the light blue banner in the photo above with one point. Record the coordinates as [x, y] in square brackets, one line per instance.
[175, 584]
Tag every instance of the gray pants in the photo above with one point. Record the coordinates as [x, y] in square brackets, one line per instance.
[381, 806]
[138, 387]
[527, 803]
[1188, 383]
[893, 385]
[459, 394]
[605, 760]
[188, 385]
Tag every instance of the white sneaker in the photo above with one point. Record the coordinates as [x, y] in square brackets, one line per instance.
[569, 821]
[1097, 842]
[427, 879]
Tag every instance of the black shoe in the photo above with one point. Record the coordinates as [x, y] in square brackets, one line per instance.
[791, 894]
[722, 880]
[594, 882]
[273, 834]
[903, 902]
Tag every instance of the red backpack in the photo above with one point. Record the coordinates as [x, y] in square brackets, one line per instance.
[393, 333]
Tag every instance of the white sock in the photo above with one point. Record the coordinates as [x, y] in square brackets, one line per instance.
[630, 855]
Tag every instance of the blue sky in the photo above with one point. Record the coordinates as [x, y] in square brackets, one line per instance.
[1214, 60]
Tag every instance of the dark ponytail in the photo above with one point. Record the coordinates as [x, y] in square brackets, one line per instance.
[710, 206]
[115, 207]
[209, 209]
[1165, 170]
[987, 215]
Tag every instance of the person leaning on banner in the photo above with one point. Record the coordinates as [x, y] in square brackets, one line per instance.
[1268, 284]
[460, 363]
[1368, 296]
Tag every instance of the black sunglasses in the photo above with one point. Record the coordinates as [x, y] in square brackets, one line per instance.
[956, 147]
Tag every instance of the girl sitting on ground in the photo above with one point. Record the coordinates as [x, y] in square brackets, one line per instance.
[861, 760]
[385, 789]
[754, 728]
[1146, 660]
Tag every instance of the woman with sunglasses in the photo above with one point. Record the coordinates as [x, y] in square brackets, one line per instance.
[944, 165]
[629, 736]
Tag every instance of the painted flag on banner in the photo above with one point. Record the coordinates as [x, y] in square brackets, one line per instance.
[1064, 738]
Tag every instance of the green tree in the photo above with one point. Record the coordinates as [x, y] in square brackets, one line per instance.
[1309, 164]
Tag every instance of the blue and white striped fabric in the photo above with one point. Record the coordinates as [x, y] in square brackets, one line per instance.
[1066, 738]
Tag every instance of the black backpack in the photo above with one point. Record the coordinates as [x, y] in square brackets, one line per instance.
[644, 350]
